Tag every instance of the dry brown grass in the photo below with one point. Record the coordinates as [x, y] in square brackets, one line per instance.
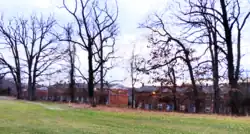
[160, 113]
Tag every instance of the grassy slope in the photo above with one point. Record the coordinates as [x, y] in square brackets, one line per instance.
[24, 118]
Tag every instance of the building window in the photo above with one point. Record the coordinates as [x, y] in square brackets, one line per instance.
[160, 106]
[208, 97]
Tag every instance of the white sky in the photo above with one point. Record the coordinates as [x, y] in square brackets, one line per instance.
[131, 13]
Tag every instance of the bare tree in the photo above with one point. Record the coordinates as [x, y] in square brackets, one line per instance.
[173, 80]
[95, 25]
[9, 35]
[168, 79]
[102, 72]
[134, 73]
[71, 59]
[39, 44]
[222, 21]
[233, 73]
[164, 45]
[105, 48]
[203, 29]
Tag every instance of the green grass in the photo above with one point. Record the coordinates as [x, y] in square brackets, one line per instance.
[18, 117]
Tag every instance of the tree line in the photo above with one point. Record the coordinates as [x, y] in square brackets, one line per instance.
[94, 30]
[214, 26]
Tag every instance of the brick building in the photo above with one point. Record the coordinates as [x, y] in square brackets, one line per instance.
[118, 97]
[41, 93]
[162, 97]
[111, 95]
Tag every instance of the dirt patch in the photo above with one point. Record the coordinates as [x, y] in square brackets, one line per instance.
[116, 109]
[45, 106]
[7, 98]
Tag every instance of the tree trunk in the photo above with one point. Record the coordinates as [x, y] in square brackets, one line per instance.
[216, 97]
[102, 75]
[91, 77]
[133, 97]
[175, 101]
[33, 90]
[29, 90]
[228, 35]
[92, 101]
[72, 85]
[33, 84]
[72, 89]
[216, 76]
[30, 83]
[232, 76]
[102, 96]
[19, 90]
[18, 85]
[72, 55]
[195, 91]
[235, 99]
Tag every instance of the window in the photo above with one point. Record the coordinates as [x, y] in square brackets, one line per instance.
[208, 97]
[146, 106]
[160, 106]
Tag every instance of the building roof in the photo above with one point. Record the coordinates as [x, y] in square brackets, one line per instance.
[146, 89]
[98, 86]
[207, 89]
[43, 88]
[119, 86]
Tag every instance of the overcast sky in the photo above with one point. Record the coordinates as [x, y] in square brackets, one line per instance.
[131, 13]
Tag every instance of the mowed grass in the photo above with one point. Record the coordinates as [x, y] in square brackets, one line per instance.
[19, 117]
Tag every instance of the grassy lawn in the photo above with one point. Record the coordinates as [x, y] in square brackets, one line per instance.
[17, 117]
